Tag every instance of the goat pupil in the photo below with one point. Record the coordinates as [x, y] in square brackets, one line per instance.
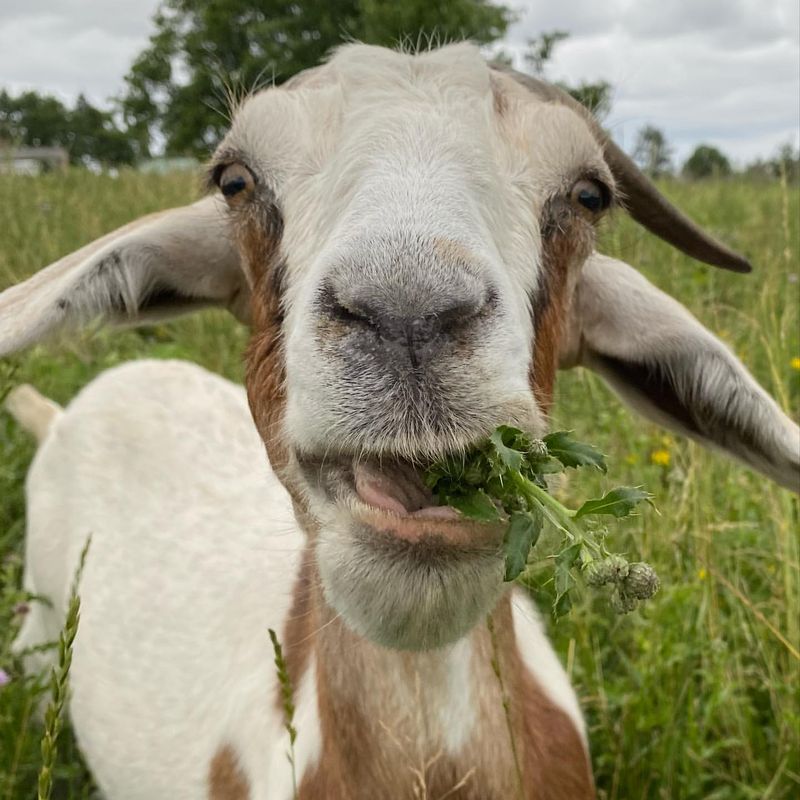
[233, 186]
[591, 200]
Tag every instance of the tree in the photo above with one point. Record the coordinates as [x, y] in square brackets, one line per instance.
[706, 162]
[33, 120]
[205, 51]
[652, 153]
[540, 50]
[595, 96]
[784, 165]
[94, 136]
[85, 132]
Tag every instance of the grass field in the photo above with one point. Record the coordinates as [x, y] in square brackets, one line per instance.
[694, 697]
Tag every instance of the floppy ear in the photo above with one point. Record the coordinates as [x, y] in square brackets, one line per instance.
[666, 365]
[159, 266]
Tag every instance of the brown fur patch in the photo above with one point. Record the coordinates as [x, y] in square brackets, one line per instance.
[298, 633]
[226, 781]
[567, 241]
[265, 379]
[551, 750]
[258, 234]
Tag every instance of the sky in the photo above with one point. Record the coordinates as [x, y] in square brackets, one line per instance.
[720, 72]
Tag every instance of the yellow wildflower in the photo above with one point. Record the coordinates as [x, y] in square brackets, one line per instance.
[702, 574]
[795, 362]
[660, 457]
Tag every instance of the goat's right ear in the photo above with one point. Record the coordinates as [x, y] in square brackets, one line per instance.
[160, 266]
[665, 364]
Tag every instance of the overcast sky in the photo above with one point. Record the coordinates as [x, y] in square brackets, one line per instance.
[724, 72]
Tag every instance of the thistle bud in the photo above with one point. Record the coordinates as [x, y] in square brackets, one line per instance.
[613, 569]
[537, 449]
[641, 581]
[622, 602]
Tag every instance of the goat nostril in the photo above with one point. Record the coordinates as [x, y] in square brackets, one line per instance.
[377, 318]
[423, 329]
[349, 315]
[331, 305]
[462, 314]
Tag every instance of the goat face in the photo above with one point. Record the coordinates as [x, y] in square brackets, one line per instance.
[420, 309]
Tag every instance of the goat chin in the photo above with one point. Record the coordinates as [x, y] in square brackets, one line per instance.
[404, 595]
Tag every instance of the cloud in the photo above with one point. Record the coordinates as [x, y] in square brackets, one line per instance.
[718, 71]
[65, 47]
[724, 72]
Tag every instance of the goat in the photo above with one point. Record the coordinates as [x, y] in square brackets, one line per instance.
[411, 238]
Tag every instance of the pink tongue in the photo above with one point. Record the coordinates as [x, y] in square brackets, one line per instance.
[375, 490]
[400, 493]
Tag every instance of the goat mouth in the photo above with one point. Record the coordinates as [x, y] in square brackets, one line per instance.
[389, 495]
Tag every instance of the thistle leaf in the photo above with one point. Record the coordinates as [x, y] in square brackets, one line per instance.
[563, 577]
[616, 503]
[503, 439]
[572, 453]
[522, 534]
[475, 504]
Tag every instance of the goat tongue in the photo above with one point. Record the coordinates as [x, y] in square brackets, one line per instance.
[397, 487]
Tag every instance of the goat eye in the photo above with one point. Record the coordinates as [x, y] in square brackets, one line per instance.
[236, 181]
[592, 195]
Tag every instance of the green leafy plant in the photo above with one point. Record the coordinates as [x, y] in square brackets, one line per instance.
[505, 479]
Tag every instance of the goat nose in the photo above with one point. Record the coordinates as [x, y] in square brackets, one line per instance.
[419, 332]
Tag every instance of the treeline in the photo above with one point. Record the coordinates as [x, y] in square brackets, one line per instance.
[88, 134]
[653, 154]
[206, 54]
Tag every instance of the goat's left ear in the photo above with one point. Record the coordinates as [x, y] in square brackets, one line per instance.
[670, 368]
[160, 266]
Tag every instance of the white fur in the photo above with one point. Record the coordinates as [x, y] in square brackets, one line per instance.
[193, 555]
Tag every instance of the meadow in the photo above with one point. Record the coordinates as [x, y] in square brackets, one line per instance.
[693, 697]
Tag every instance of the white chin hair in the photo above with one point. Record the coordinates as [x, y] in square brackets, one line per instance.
[406, 596]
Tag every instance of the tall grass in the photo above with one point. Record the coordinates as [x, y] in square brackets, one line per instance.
[695, 697]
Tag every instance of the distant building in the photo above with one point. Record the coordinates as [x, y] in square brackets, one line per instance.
[31, 160]
[161, 166]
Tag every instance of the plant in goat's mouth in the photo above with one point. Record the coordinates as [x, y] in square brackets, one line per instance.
[504, 478]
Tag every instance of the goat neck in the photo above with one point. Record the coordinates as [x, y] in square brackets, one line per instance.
[429, 724]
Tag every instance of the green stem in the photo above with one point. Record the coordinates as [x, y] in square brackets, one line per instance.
[563, 515]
